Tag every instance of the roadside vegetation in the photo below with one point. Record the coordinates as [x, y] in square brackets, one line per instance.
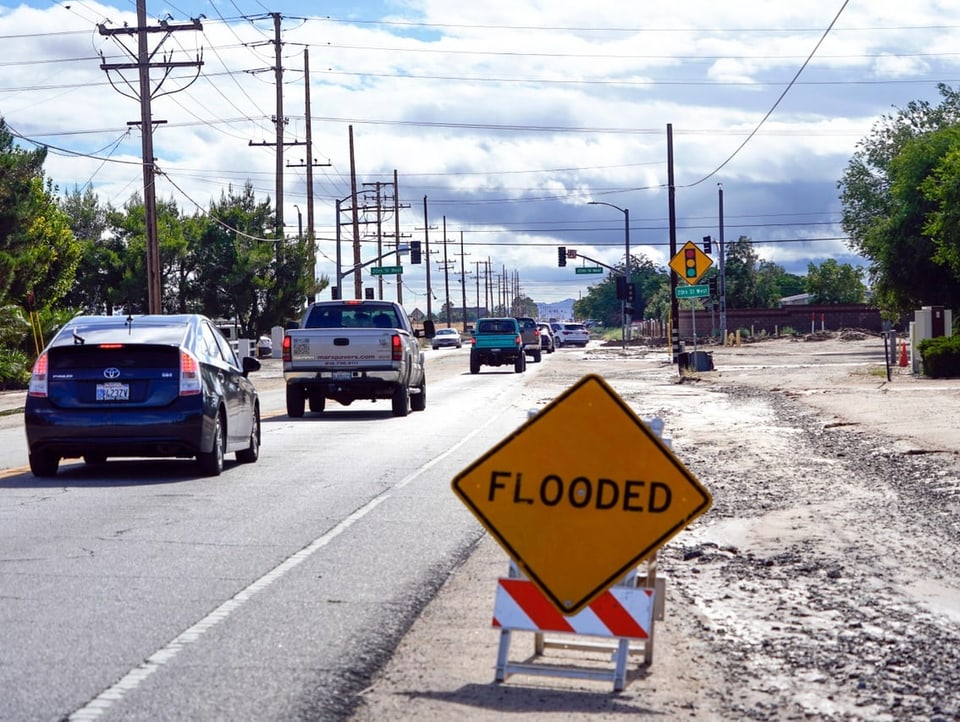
[63, 253]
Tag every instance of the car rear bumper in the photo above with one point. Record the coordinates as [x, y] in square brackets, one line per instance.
[181, 429]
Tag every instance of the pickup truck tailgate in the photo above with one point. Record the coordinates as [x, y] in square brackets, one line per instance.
[343, 349]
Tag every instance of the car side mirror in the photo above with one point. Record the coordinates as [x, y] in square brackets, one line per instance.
[429, 329]
[249, 363]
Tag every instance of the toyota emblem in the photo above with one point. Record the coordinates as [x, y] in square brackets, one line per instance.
[111, 373]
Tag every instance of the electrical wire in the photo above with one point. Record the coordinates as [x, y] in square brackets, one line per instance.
[777, 103]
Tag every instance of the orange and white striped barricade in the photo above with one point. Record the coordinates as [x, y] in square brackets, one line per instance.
[624, 612]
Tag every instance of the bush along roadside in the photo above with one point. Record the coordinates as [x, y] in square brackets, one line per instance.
[940, 356]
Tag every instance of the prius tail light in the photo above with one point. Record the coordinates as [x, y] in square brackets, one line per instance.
[190, 384]
[38, 377]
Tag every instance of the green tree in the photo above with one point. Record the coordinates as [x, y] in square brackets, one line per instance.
[833, 282]
[889, 205]
[750, 281]
[942, 189]
[100, 269]
[38, 253]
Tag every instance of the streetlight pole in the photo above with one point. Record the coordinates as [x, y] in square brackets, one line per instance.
[628, 270]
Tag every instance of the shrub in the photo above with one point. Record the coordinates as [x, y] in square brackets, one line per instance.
[14, 369]
[940, 356]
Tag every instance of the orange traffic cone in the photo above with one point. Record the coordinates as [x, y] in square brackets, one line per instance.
[903, 354]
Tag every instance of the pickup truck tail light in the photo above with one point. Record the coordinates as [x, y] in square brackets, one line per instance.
[396, 347]
[285, 350]
[518, 340]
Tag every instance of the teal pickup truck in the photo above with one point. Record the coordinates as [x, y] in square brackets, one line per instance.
[497, 341]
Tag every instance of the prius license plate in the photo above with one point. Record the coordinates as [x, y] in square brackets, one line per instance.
[113, 392]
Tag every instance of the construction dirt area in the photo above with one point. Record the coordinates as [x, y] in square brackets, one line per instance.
[822, 584]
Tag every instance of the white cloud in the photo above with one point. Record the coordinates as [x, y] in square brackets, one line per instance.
[509, 117]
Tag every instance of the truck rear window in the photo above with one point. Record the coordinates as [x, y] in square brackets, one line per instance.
[496, 327]
[352, 316]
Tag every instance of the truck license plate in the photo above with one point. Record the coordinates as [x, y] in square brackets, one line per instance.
[113, 392]
[342, 375]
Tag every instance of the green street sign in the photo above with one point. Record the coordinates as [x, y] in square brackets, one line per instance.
[589, 269]
[698, 291]
[386, 270]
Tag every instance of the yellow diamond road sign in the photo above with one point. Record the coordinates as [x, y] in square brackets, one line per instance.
[581, 494]
[690, 263]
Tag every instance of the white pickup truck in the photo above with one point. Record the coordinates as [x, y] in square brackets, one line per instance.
[353, 349]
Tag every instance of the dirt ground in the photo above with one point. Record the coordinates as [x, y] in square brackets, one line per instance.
[823, 584]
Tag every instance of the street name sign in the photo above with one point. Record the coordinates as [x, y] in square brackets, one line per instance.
[690, 263]
[386, 270]
[698, 291]
[589, 269]
[581, 494]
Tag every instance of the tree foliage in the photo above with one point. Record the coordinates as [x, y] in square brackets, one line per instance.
[898, 181]
[750, 281]
[38, 253]
[833, 282]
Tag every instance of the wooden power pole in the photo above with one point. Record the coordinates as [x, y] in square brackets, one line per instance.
[143, 64]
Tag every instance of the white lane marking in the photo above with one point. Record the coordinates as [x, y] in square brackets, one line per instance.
[99, 705]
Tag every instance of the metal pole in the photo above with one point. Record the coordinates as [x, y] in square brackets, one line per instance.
[721, 283]
[339, 258]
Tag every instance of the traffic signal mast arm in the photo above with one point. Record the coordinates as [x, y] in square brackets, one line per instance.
[601, 263]
[398, 251]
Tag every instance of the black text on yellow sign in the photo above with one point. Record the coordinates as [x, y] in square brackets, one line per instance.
[578, 515]
[582, 492]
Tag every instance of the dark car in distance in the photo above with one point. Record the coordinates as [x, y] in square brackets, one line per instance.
[132, 386]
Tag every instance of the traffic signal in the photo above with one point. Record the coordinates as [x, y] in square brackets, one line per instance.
[690, 262]
[562, 256]
[631, 292]
[621, 288]
[706, 244]
[712, 283]
[415, 256]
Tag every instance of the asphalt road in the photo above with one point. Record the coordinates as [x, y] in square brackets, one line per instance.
[137, 590]
[282, 590]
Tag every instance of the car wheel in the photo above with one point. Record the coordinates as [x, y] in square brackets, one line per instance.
[317, 401]
[474, 364]
[520, 364]
[252, 452]
[401, 401]
[94, 459]
[44, 464]
[295, 401]
[418, 402]
[211, 462]
[536, 357]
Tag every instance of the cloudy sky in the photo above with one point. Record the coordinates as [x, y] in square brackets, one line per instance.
[508, 117]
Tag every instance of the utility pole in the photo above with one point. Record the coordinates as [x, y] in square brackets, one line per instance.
[280, 120]
[357, 280]
[477, 272]
[672, 213]
[379, 223]
[309, 164]
[463, 280]
[446, 271]
[143, 65]
[426, 252]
